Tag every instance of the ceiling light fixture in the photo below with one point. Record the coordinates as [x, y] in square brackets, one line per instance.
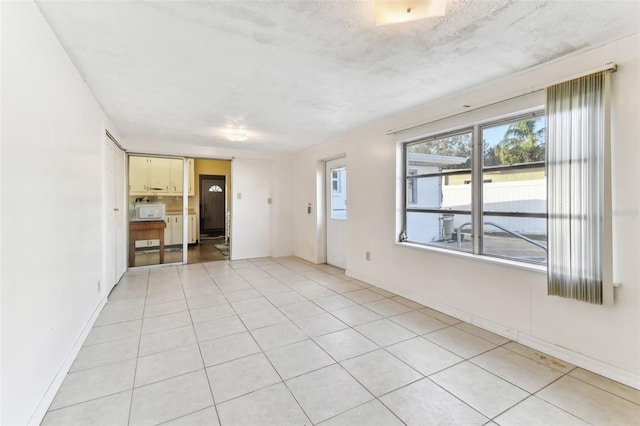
[396, 11]
[236, 135]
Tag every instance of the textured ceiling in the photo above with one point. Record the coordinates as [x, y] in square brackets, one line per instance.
[299, 73]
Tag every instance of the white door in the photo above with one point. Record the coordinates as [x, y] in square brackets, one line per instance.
[110, 223]
[121, 218]
[115, 218]
[336, 211]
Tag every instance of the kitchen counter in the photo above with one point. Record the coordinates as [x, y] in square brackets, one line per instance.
[190, 211]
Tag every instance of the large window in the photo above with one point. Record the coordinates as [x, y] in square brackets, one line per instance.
[495, 185]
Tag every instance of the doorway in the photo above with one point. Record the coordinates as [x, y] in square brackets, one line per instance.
[213, 195]
[211, 204]
[336, 211]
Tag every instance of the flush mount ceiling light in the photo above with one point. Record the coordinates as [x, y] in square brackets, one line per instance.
[236, 135]
[396, 11]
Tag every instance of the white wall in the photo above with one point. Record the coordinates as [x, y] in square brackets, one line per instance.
[509, 300]
[52, 210]
[281, 207]
[251, 212]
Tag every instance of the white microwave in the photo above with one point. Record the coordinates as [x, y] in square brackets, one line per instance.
[146, 211]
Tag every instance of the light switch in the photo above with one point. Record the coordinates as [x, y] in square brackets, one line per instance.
[239, 195]
[269, 201]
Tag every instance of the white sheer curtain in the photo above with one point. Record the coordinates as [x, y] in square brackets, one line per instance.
[577, 126]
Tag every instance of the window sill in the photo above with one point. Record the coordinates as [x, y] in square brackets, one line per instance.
[479, 258]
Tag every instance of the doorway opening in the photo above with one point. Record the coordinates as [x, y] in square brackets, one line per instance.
[212, 205]
[336, 212]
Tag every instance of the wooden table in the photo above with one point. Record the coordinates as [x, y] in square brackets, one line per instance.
[148, 230]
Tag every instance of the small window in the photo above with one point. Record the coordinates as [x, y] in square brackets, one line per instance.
[215, 188]
[336, 186]
[339, 193]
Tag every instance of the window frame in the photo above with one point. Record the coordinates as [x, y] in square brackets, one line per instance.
[477, 172]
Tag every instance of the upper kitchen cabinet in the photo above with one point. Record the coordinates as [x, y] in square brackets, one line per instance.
[138, 176]
[176, 175]
[159, 170]
[162, 176]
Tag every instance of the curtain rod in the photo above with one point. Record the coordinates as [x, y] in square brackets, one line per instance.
[608, 67]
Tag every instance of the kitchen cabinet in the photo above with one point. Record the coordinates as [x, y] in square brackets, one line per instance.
[151, 175]
[138, 177]
[159, 170]
[173, 231]
[175, 172]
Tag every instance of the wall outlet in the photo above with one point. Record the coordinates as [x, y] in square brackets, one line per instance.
[99, 286]
[367, 255]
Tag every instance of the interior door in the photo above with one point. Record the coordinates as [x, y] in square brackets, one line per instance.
[213, 194]
[336, 211]
[115, 232]
[119, 203]
[110, 217]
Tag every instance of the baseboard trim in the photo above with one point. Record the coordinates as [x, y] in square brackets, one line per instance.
[51, 392]
[575, 358]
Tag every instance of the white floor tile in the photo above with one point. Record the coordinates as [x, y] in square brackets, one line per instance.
[320, 324]
[460, 342]
[540, 357]
[210, 313]
[618, 389]
[110, 333]
[205, 417]
[590, 403]
[241, 376]
[372, 413]
[380, 372]
[112, 410]
[95, 383]
[521, 371]
[301, 310]
[363, 296]
[356, 315]
[334, 302]
[228, 348]
[327, 392]
[219, 328]
[424, 356]
[278, 335]
[535, 412]
[166, 340]
[298, 358]
[287, 298]
[387, 307]
[385, 332]
[273, 405]
[105, 353]
[167, 364]
[264, 318]
[424, 403]
[483, 391]
[345, 344]
[418, 322]
[166, 322]
[170, 399]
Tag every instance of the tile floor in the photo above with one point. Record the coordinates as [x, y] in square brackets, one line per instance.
[284, 342]
[204, 251]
